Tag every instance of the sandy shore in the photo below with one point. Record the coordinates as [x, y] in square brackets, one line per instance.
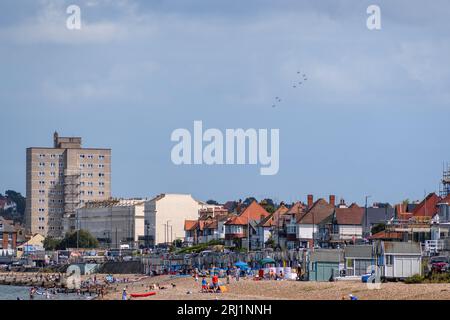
[273, 290]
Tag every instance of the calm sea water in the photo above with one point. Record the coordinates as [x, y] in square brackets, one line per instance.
[13, 292]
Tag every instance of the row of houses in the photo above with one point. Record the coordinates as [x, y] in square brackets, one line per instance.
[321, 223]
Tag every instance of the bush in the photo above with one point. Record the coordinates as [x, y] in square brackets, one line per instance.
[440, 278]
[415, 279]
[84, 240]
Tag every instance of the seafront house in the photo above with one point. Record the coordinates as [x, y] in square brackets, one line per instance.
[342, 227]
[376, 215]
[281, 219]
[308, 224]
[209, 226]
[8, 237]
[240, 229]
[114, 222]
[288, 232]
[165, 217]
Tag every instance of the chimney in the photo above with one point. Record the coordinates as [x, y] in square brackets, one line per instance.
[332, 199]
[310, 200]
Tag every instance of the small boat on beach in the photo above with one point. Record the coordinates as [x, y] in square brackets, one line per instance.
[142, 295]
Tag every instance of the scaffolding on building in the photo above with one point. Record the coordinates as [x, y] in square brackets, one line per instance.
[445, 182]
[71, 198]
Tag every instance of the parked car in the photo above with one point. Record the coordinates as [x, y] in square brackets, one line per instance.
[439, 264]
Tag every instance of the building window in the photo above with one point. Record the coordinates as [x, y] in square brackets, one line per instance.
[41, 164]
[90, 165]
[41, 173]
[101, 165]
[90, 156]
[101, 157]
[101, 193]
[41, 156]
[81, 165]
[389, 260]
[81, 156]
[101, 175]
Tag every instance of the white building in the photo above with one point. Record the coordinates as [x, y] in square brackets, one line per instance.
[114, 222]
[165, 215]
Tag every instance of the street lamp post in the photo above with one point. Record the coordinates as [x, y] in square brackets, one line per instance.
[365, 216]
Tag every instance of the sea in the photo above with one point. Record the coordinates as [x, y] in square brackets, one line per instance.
[23, 293]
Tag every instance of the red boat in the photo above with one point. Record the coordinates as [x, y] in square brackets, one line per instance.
[142, 295]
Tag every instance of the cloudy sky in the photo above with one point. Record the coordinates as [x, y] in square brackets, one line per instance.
[372, 119]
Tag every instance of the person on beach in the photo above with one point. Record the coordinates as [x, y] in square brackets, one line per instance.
[124, 294]
[238, 273]
[204, 285]
[215, 282]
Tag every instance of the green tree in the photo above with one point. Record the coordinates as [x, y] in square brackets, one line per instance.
[18, 199]
[378, 228]
[51, 243]
[270, 243]
[84, 240]
[212, 202]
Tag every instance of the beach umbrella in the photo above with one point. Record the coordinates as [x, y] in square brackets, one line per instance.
[241, 264]
[267, 260]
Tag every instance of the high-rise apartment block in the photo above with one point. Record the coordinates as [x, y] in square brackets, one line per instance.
[60, 180]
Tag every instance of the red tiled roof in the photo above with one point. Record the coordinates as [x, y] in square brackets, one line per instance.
[352, 215]
[297, 208]
[428, 206]
[279, 213]
[253, 212]
[189, 225]
[387, 235]
[319, 211]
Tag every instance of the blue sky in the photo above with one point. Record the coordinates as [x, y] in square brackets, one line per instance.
[373, 117]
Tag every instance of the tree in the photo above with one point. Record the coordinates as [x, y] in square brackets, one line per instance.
[378, 228]
[212, 202]
[84, 240]
[51, 243]
[248, 201]
[270, 243]
[268, 205]
[18, 199]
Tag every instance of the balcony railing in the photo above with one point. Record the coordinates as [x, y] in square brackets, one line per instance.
[433, 246]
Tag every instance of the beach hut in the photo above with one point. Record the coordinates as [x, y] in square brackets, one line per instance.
[325, 264]
[359, 260]
[398, 260]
